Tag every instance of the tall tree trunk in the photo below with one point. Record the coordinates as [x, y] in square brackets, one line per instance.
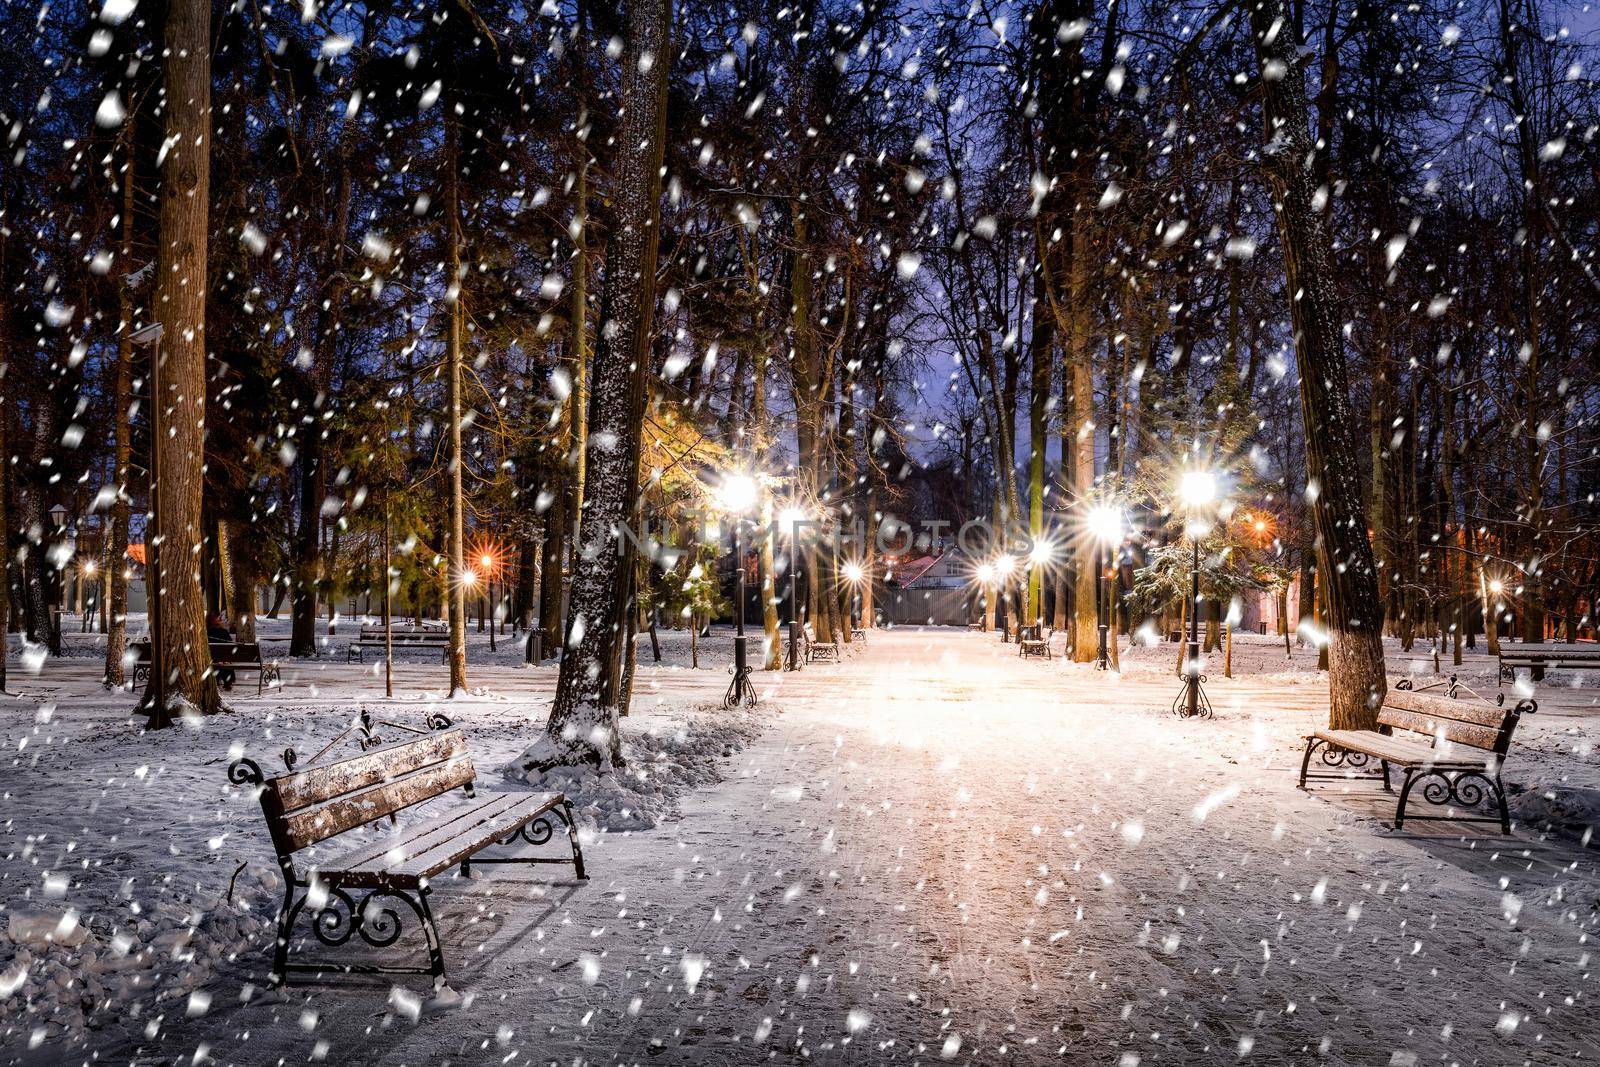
[583, 719]
[1357, 680]
[116, 613]
[456, 539]
[242, 564]
[1043, 351]
[180, 303]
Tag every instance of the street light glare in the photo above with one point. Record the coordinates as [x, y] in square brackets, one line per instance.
[1198, 488]
[487, 561]
[793, 516]
[737, 493]
[1005, 564]
[1042, 552]
[853, 572]
[985, 573]
[1105, 523]
[1497, 587]
[469, 578]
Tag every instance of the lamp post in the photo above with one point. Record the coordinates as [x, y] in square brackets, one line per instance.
[1004, 564]
[793, 518]
[1105, 524]
[1198, 490]
[489, 564]
[156, 689]
[855, 574]
[58, 522]
[738, 493]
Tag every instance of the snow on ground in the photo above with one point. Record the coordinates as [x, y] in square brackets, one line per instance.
[936, 851]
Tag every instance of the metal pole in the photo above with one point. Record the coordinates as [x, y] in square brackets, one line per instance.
[156, 690]
[1191, 679]
[493, 611]
[794, 597]
[388, 611]
[1103, 659]
[740, 692]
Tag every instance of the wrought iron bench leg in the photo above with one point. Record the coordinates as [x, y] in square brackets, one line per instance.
[1500, 800]
[1405, 794]
[1387, 788]
[431, 931]
[1305, 763]
[285, 924]
[564, 813]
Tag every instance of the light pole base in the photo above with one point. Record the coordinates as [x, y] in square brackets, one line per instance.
[1197, 706]
[793, 663]
[1102, 660]
[740, 692]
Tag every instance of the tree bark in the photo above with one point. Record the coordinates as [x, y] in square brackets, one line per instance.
[583, 719]
[1357, 680]
[180, 304]
[116, 563]
[456, 539]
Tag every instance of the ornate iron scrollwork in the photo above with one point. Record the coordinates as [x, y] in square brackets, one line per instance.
[375, 919]
[1465, 789]
[244, 771]
[438, 720]
[1334, 756]
[290, 757]
[1405, 685]
[537, 832]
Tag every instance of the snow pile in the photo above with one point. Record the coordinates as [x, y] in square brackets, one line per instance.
[1572, 811]
[662, 763]
[62, 971]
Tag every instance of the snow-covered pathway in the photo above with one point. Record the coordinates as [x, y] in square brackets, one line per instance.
[939, 851]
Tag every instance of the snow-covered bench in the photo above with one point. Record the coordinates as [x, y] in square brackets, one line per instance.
[1033, 641]
[399, 637]
[391, 872]
[818, 650]
[236, 656]
[1539, 658]
[1456, 747]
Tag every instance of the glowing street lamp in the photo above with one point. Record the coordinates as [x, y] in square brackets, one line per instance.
[737, 494]
[1107, 529]
[1197, 491]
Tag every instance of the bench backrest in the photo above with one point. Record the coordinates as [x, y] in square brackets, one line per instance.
[1474, 723]
[238, 652]
[1587, 650]
[305, 807]
[221, 651]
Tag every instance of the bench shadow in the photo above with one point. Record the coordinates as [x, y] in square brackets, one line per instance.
[1477, 848]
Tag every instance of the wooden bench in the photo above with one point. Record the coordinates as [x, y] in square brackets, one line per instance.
[1539, 658]
[1455, 746]
[1032, 641]
[391, 872]
[236, 656]
[403, 637]
[818, 650]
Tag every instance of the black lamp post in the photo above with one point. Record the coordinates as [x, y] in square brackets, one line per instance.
[738, 493]
[1198, 489]
[156, 690]
[794, 518]
[1105, 525]
[58, 521]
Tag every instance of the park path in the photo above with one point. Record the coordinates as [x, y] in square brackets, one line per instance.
[938, 851]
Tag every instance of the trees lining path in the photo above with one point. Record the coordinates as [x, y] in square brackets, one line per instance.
[937, 841]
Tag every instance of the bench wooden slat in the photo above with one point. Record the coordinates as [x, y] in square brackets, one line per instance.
[1407, 751]
[314, 785]
[320, 822]
[1454, 730]
[469, 831]
[416, 838]
[1438, 707]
